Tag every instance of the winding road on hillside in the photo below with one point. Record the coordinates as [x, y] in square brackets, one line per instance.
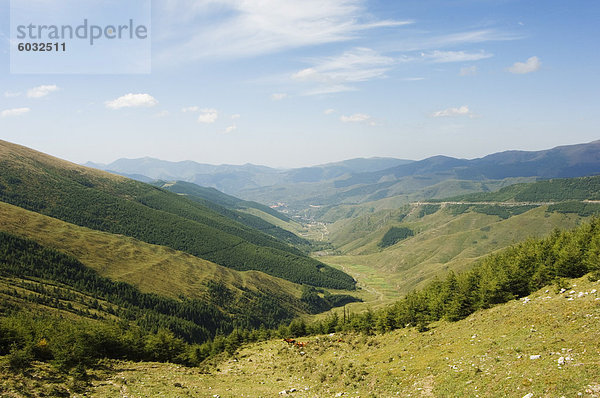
[505, 204]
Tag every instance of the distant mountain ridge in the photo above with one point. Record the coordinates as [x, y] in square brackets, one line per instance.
[316, 192]
[234, 178]
[560, 162]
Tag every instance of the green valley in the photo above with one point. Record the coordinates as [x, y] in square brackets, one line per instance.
[175, 272]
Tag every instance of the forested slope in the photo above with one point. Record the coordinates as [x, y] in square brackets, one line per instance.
[117, 205]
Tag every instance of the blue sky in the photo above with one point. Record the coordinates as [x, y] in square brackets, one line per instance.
[290, 83]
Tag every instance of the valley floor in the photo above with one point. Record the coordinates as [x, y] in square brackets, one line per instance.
[546, 345]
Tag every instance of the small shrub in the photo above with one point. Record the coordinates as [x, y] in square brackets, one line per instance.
[559, 284]
[41, 351]
[19, 359]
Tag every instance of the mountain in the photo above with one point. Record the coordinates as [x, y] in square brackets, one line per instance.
[432, 178]
[232, 179]
[114, 204]
[564, 161]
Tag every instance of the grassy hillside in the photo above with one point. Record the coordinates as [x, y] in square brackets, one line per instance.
[442, 241]
[491, 353]
[151, 268]
[450, 234]
[109, 203]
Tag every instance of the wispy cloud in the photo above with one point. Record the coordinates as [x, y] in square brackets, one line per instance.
[278, 96]
[164, 113]
[235, 116]
[531, 65]
[328, 111]
[468, 70]
[355, 118]
[190, 109]
[41, 91]
[450, 112]
[424, 42]
[455, 56]
[208, 115]
[132, 101]
[12, 94]
[229, 129]
[14, 112]
[338, 73]
[235, 28]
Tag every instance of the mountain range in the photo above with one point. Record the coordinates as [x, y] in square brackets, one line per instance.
[375, 183]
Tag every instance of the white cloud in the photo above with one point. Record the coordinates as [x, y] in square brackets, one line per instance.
[413, 79]
[41, 91]
[237, 28]
[230, 129]
[356, 118]
[235, 116]
[531, 65]
[336, 73]
[455, 56]
[208, 115]
[278, 96]
[462, 111]
[14, 112]
[190, 109]
[329, 111]
[12, 94]
[468, 71]
[132, 101]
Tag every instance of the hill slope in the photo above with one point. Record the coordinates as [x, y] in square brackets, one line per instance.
[491, 353]
[442, 241]
[150, 268]
[237, 209]
[110, 203]
[555, 190]
[450, 234]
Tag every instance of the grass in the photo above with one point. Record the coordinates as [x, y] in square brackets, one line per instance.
[489, 354]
